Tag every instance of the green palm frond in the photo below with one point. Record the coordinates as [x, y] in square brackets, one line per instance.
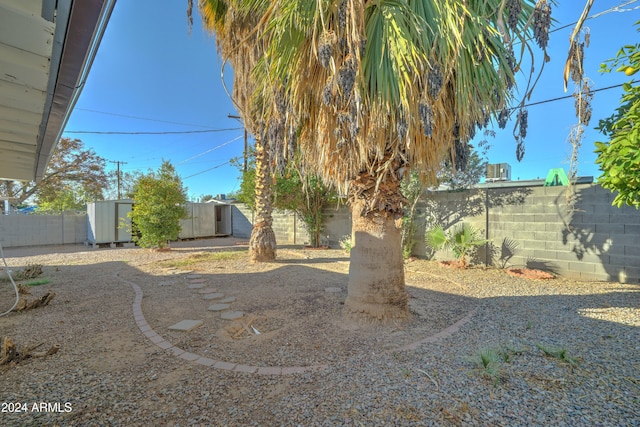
[436, 238]
[375, 87]
[463, 240]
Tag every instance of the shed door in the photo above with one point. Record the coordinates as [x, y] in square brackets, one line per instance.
[123, 222]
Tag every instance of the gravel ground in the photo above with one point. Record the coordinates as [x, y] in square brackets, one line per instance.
[108, 373]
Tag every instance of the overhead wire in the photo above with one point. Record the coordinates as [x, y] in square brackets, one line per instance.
[209, 150]
[142, 118]
[560, 98]
[207, 170]
[240, 128]
[150, 133]
[604, 12]
[617, 8]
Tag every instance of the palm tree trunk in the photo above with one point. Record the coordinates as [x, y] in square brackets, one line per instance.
[376, 288]
[262, 246]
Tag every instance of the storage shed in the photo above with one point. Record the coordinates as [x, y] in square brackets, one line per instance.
[206, 220]
[108, 221]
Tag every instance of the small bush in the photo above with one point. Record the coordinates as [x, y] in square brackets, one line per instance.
[559, 353]
[463, 240]
[345, 243]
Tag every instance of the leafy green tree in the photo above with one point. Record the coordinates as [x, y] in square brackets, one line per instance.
[127, 182]
[71, 168]
[462, 179]
[71, 198]
[619, 158]
[305, 195]
[159, 199]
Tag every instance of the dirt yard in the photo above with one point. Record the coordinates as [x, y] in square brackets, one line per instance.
[291, 319]
[294, 304]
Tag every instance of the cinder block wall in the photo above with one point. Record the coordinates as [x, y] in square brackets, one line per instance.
[32, 230]
[241, 220]
[592, 241]
[288, 228]
[337, 224]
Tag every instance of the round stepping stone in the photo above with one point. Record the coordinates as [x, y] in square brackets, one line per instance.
[217, 295]
[197, 280]
[227, 300]
[208, 290]
[332, 289]
[194, 276]
[231, 315]
[197, 286]
[218, 307]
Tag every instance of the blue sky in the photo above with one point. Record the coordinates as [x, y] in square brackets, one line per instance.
[151, 75]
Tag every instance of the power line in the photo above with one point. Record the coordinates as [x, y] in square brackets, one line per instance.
[206, 170]
[209, 150]
[571, 96]
[150, 133]
[604, 12]
[141, 118]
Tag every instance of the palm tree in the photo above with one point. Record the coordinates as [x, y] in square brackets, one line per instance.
[373, 89]
[240, 47]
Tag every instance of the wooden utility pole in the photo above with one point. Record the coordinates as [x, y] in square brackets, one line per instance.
[118, 163]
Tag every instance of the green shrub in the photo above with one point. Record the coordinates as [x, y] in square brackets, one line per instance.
[463, 240]
[159, 207]
[345, 243]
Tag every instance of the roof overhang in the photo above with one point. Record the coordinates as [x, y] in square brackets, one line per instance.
[46, 50]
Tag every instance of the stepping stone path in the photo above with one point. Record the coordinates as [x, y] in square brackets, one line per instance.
[186, 325]
[216, 295]
[197, 282]
[232, 315]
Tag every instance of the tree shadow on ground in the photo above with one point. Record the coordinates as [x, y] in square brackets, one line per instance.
[102, 347]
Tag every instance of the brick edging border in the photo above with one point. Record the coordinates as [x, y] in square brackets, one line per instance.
[162, 343]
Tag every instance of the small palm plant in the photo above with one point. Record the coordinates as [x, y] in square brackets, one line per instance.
[463, 240]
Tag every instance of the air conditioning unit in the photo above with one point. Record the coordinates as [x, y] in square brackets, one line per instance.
[498, 172]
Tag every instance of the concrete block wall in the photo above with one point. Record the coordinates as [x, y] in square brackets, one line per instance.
[337, 224]
[241, 220]
[592, 241]
[288, 228]
[33, 230]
